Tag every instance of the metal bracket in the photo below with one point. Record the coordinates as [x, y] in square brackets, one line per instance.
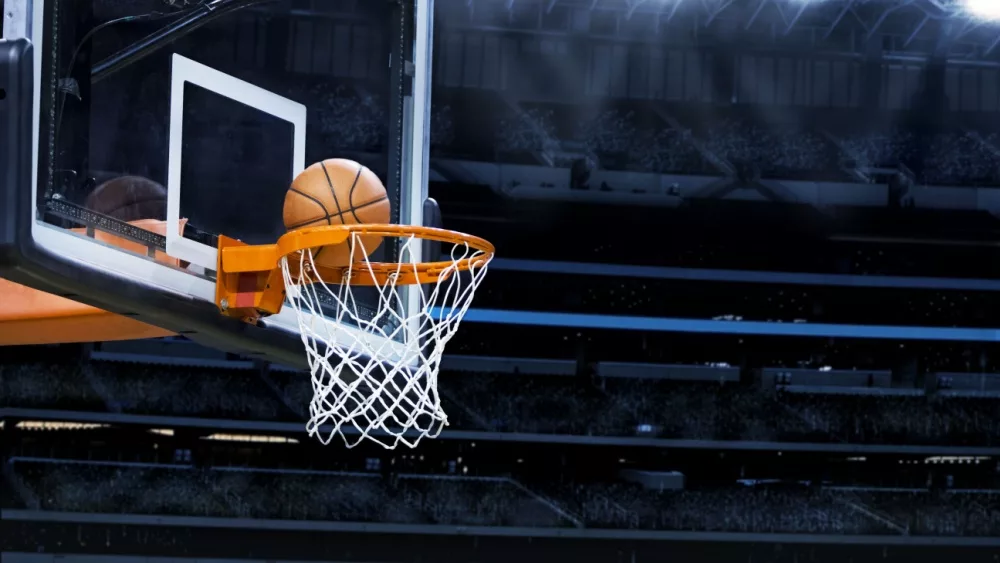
[17, 19]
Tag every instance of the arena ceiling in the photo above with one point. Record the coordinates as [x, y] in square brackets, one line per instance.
[957, 29]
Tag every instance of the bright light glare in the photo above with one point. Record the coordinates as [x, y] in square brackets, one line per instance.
[985, 9]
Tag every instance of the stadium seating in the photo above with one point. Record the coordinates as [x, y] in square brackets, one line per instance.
[527, 403]
[119, 488]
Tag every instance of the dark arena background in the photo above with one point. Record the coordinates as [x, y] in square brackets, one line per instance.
[745, 307]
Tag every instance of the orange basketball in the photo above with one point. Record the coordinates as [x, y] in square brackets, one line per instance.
[337, 192]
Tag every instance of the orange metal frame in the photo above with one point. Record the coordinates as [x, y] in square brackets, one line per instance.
[250, 283]
[29, 316]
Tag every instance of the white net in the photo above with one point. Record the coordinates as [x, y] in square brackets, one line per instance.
[374, 368]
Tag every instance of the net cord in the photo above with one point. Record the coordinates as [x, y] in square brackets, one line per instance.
[376, 378]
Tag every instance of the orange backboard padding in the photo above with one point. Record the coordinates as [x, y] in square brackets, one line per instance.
[29, 316]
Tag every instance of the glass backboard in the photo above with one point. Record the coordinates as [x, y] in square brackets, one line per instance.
[161, 125]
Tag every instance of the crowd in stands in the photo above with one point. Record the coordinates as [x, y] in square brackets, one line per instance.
[298, 495]
[625, 138]
[349, 119]
[941, 514]
[791, 510]
[959, 157]
[727, 412]
[778, 153]
[140, 388]
[879, 148]
[80, 486]
[530, 404]
[633, 142]
[963, 158]
[724, 510]
[528, 131]
[888, 420]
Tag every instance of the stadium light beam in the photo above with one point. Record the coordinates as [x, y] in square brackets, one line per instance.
[983, 9]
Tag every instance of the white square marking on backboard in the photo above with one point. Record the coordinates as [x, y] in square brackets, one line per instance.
[186, 71]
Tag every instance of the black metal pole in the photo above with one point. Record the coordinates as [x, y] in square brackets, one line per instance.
[170, 33]
[400, 38]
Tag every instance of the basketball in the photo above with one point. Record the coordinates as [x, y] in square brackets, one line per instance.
[129, 198]
[337, 192]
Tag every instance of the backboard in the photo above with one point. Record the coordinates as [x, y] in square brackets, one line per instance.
[196, 116]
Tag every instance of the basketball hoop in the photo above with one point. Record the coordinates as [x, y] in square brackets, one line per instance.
[374, 371]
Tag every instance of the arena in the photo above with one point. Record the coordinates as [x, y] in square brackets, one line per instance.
[462, 281]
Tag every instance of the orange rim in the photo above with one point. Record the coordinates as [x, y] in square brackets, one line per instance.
[260, 258]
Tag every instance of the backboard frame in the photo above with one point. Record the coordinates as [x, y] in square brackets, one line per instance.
[57, 261]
